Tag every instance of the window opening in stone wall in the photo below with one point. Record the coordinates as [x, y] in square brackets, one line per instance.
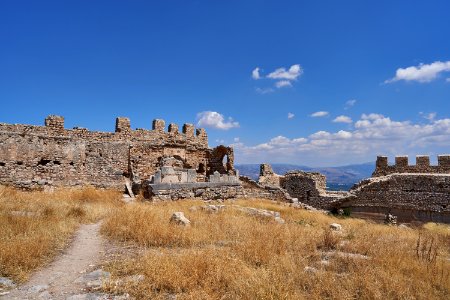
[201, 168]
[43, 162]
[2, 164]
[308, 195]
[71, 163]
[225, 162]
[20, 162]
[56, 162]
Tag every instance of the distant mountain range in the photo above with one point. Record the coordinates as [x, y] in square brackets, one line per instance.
[338, 178]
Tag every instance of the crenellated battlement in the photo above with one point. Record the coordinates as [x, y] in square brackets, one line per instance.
[54, 126]
[402, 165]
[33, 155]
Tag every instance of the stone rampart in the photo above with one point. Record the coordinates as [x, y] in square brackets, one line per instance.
[36, 156]
[402, 165]
[409, 196]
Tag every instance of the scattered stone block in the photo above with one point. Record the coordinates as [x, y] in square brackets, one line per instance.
[179, 219]
[6, 282]
[336, 226]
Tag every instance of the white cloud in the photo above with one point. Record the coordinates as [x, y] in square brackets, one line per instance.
[283, 83]
[216, 120]
[421, 73]
[236, 139]
[255, 74]
[447, 79]
[429, 116]
[264, 90]
[290, 115]
[373, 135]
[291, 74]
[342, 119]
[319, 114]
[282, 77]
[349, 103]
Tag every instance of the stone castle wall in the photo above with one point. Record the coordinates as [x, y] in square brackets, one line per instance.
[423, 197]
[307, 187]
[36, 156]
[402, 165]
[411, 192]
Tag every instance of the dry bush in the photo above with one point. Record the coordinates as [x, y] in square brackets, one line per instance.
[36, 225]
[231, 255]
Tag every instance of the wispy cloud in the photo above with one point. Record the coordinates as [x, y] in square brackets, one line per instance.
[429, 116]
[213, 119]
[290, 115]
[283, 83]
[264, 90]
[373, 134]
[291, 74]
[350, 103]
[255, 74]
[421, 73]
[283, 77]
[319, 114]
[343, 119]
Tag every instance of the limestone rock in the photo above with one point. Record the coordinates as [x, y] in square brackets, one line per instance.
[213, 208]
[180, 219]
[336, 226]
[38, 288]
[390, 219]
[95, 279]
[279, 220]
[6, 282]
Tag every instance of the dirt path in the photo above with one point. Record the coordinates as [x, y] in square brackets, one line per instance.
[68, 274]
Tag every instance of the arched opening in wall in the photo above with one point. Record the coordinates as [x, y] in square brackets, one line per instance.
[201, 168]
[225, 162]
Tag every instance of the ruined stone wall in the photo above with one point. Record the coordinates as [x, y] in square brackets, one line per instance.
[255, 190]
[267, 176]
[402, 165]
[307, 187]
[310, 188]
[424, 197]
[34, 156]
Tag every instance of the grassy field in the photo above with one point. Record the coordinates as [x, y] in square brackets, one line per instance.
[35, 226]
[229, 254]
[232, 255]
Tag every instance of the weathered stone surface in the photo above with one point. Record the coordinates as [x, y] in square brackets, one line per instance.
[305, 187]
[6, 282]
[408, 196]
[50, 155]
[98, 296]
[95, 279]
[264, 213]
[390, 219]
[336, 226]
[38, 288]
[213, 208]
[267, 176]
[402, 165]
[179, 219]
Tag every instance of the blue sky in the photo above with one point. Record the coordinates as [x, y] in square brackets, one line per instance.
[378, 71]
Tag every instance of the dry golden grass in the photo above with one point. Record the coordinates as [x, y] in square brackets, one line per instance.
[35, 225]
[231, 255]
